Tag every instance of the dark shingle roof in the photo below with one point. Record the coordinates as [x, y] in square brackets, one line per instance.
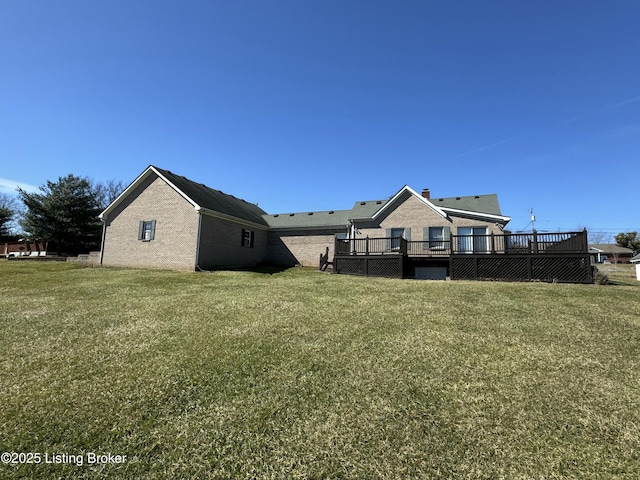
[472, 203]
[366, 209]
[330, 218]
[610, 248]
[215, 200]
[218, 201]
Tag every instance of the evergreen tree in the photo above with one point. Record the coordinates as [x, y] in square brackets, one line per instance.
[5, 219]
[66, 212]
[629, 240]
[8, 211]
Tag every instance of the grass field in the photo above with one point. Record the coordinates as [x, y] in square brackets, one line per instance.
[300, 374]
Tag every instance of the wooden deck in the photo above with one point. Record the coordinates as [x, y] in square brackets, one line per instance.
[508, 244]
[561, 257]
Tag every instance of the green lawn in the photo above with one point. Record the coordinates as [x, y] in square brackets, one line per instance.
[301, 374]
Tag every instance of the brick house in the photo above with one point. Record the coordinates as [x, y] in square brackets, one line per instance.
[163, 220]
[610, 253]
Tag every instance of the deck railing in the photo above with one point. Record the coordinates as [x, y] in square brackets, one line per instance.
[371, 246]
[511, 243]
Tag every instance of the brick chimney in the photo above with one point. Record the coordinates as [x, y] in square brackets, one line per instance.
[426, 193]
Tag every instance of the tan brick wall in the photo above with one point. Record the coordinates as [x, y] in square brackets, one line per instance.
[414, 214]
[300, 247]
[174, 245]
[221, 244]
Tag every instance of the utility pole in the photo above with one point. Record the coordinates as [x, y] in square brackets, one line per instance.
[533, 220]
[535, 234]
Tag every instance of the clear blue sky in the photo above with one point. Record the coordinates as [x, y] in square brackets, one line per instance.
[313, 105]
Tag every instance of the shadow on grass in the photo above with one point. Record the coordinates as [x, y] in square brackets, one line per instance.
[264, 269]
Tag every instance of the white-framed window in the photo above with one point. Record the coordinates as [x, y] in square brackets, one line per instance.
[147, 230]
[472, 240]
[436, 238]
[394, 234]
[247, 238]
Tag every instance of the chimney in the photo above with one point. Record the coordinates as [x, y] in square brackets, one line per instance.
[426, 193]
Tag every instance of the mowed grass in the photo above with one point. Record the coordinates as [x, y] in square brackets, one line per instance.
[301, 374]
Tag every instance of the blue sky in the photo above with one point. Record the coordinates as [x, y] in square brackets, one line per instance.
[301, 105]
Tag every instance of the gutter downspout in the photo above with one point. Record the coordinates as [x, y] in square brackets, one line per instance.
[104, 234]
[196, 266]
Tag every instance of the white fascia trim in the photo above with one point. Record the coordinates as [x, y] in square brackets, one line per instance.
[490, 216]
[143, 176]
[224, 216]
[187, 198]
[404, 189]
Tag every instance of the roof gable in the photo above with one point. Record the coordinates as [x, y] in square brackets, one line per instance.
[199, 195]
[207, 198]
[475, 206]
[402, 193]
[485, 207]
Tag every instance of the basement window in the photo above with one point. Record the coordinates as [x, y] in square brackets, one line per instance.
[147, 230]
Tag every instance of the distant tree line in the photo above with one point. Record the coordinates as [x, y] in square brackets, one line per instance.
[65, 212]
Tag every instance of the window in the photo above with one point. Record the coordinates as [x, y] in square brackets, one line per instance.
[147, 230]
[394, 234]
[247, 238]
[472, 239]
[436, 238]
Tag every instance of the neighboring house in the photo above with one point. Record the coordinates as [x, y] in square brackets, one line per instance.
[21, 247]
[163, 220]
[610, 253]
